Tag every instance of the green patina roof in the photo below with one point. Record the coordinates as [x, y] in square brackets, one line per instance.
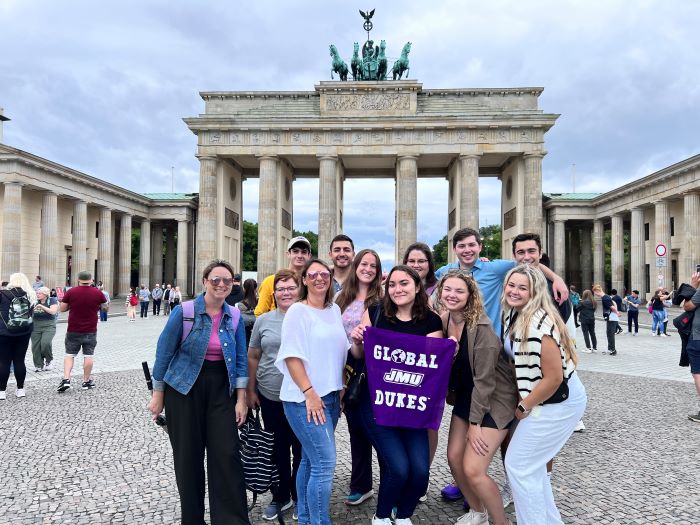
[572, 196]
[168, 196]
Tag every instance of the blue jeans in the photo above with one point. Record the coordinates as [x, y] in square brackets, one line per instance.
[404, 456]
[315, 475]
[657, 321]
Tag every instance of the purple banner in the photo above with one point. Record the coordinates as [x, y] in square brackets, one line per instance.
[407, 377]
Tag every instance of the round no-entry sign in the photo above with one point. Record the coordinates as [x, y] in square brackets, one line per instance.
[660, 249]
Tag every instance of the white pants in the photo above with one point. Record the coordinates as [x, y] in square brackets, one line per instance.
[537, 439]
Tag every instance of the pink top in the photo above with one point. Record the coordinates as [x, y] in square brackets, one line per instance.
[214, 352]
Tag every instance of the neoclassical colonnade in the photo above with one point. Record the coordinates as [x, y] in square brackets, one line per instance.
[56, 222]
[661, 208]
[346, 130]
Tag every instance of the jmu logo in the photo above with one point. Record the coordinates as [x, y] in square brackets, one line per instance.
[403, 378]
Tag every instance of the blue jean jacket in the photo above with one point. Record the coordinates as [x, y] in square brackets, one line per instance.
[179, 365]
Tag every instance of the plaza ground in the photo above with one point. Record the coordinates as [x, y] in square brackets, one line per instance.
[96, 457]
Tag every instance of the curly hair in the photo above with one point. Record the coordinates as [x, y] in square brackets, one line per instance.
[474, 308]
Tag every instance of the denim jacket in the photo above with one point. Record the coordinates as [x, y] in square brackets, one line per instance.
[179, 365]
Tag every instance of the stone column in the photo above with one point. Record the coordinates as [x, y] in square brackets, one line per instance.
[637, 256]
[267, 217]
[327, 204]
[574, 258]
[12, 229]
[206, 218]
[406, 217]
[48, 250]
[662, 223]
[532, 216]
[157, 254]
[691, 236]
[104, 250]
[145, 253]
[182, 245]
[586, 259]
[598, 254]
[125, 255]
[79, 241]
[169, 256]
[560, 248]
[469, 192]
[617, 253]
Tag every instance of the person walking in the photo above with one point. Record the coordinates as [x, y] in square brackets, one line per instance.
[552, 398]
[610, 316]
[632, 301]
[17, 301]
[311, 358]
[657, 312]
[403, 452]
[361, 289]
[263, 391]
[144, 299]
[201, 382]
[104, 309]
[587, 308]
[82, 303]
[175, 297]
[132, 302]
[157, 296]
[45, 316]
[166, 299]
[575, 299]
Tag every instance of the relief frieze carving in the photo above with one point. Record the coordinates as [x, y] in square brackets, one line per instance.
[369, 102]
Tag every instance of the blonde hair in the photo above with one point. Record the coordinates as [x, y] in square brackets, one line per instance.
[474, 308]
[19, 280]
[596, 288]
[540, 300]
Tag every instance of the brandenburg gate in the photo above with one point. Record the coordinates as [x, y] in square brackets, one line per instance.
[363, 129]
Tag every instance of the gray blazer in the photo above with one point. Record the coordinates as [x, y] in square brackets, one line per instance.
[495, 390]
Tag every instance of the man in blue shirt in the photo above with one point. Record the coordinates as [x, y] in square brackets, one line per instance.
[633, 302]
[489, 275]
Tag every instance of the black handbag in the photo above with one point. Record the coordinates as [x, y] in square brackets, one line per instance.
[355, 383]
[561, 394]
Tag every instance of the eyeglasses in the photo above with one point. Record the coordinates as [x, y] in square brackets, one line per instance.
[216, 281]
[314, 275]
[417, 261]
[289, 289]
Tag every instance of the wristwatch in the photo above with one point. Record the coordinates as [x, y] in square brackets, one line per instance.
[523, 410]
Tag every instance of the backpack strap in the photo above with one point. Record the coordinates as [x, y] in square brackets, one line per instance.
[187, 319]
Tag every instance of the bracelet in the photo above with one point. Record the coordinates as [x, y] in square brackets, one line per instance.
[309, 388]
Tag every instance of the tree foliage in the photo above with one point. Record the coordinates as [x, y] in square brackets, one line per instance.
[250, 244]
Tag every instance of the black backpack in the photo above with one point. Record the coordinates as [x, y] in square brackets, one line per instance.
[20, 312]
[259, 469]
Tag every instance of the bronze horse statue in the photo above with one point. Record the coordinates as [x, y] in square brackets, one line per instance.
[401, 65]
[338, 65]
[356, 62]
[381, 61]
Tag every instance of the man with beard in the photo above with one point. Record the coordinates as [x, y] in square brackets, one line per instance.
[342, 253]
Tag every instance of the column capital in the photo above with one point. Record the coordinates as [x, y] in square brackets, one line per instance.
[465, 156]
[14, 183]
[327, 157]
[406, 157]
[534, 154]
[49, 193]
[268, 157]
[126, 214]
[206, 157]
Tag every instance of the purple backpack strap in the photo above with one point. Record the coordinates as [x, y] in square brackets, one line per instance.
[187, 319]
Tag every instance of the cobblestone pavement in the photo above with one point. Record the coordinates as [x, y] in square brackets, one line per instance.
[95, 457]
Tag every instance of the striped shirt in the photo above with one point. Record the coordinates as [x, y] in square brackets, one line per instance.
[528, 370]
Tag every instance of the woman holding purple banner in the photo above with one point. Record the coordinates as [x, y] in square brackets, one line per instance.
[362, 289]
[552, 398]
[485, 397]
[403, 452]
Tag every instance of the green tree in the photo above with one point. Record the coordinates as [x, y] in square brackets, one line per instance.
[491, 238]
[440, 252]
[250, 246]
[313, 239]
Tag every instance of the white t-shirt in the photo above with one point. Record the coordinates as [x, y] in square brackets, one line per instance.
[317, 337]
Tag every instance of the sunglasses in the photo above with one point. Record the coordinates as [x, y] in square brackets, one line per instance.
[216, 281]
[312, 276]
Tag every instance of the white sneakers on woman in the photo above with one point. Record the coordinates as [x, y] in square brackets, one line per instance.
[403, 521]
[3, 395]
[20, 392]
[381, 521]
[474, 518]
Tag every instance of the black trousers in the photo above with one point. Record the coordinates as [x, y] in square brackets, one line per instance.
[633, 317]
[275, 421]
[12, 350]
[360, 453]
[610, 329]
[588, 329]
[205, 419]
[156, 306]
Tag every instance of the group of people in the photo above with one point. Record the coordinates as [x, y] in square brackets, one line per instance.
[513, 382]
[167, 296]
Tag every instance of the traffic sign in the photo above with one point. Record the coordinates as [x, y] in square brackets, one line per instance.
[661, 250]
[661, 262]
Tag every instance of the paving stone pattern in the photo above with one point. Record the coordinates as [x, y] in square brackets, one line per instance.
[88, 457]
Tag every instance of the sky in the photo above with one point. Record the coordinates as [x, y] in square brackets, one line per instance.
[102, 87]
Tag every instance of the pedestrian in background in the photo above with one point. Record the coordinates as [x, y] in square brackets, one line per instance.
[157, 296]
[175, 298]
[45, 316]
[132, 302]
[166, 299]
[587, 308]
[104, 309]
[632, 301]
[610, 316]
[144, 299]
[657, 312]
[201, 382]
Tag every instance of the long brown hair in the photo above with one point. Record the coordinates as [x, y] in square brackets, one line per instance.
[351, 287]
[420, 304]
[588, 296]
[474, 308]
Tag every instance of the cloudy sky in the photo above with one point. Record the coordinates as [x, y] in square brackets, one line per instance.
[102, 87]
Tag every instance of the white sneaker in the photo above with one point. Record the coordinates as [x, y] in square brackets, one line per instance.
[506, 495]
[587, 351]
[48, 366]
[20, 392]
[381, 521]
[3, 395]
[473, 518]
[580, 427]
[403, 521]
